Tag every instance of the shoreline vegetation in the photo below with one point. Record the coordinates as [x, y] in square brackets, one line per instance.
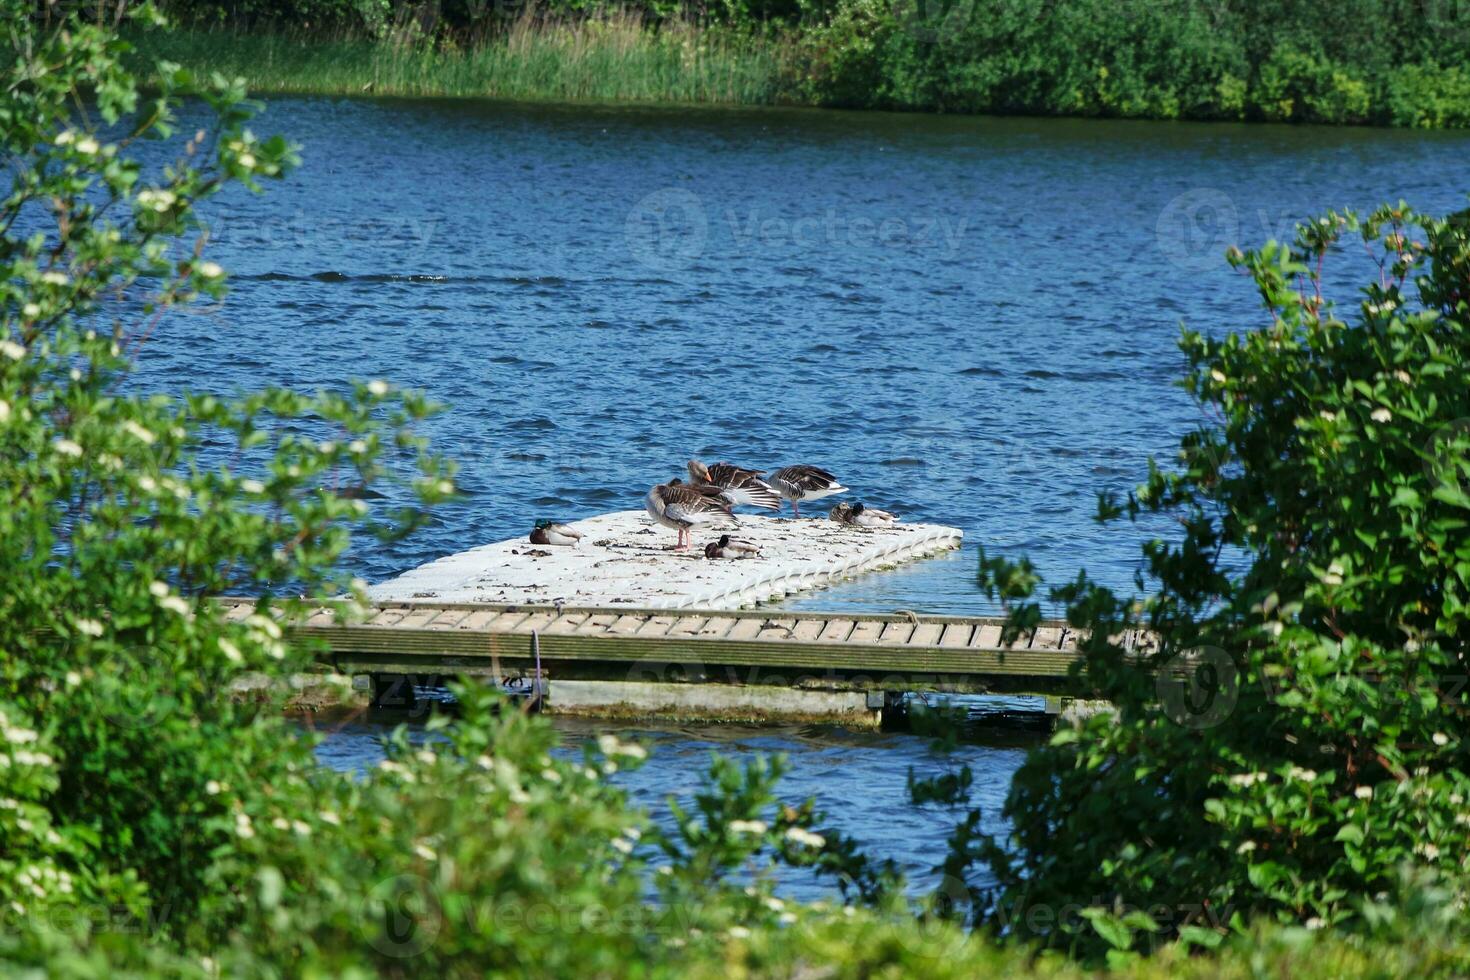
[1309, 62]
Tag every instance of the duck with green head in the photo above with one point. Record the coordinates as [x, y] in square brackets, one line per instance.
[550, 532]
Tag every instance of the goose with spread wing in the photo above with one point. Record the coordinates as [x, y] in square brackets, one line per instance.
[739, 486]
[798, 483]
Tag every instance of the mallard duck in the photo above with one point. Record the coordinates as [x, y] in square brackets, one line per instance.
[679, 506]
[728, 547]
[860, 515]
[865, 516]
[798, 483]
[739, 486]
[550, 532]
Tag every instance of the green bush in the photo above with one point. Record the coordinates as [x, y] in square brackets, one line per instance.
[1384, 62]
[1303, 741]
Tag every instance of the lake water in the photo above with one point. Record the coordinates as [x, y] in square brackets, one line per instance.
[970, 321]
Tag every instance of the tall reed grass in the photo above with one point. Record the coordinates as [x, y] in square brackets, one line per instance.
[614, 56]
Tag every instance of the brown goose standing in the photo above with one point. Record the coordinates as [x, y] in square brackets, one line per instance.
[738, 486]
[798, 483]
[680, 507]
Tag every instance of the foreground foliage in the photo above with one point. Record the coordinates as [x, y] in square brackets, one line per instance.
[150, 825]
[1304, 745]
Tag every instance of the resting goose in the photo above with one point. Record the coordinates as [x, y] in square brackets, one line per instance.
[550, 532]
[798, 483]
[728, 547]
[680, 507]
[738, 486]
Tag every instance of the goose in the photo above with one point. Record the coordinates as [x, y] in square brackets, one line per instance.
[739, 486]
[728, 547]
[679, 506]
[798, 483]
[550, 532]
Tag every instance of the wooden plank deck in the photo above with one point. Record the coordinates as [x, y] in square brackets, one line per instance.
[826, 651]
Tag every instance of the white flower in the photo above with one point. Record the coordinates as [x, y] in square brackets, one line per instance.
[1315, 923]
[175, 605]
[89, 626]
[266, 625]
[209, 270]
[66, 137]
[1246, 847]
[138, 432]
[31, 310]
[157, 200]
[804, 837]
[73, 678]
[67, 448]
[1306, 775]
[12, 350]
[622, 845]
[327, 816]
[252, 486]
[378, 388]
[425, 851]
[87, 145]
[774, 904]
[4, 410]
[1328, 416]
[426, 757]
[1247, 778]
[158, 589]
[1217, 375]
[1381, 415]
[739, 932]
[1364, 792]
[357, 446]
[609, 745]
[551, 775]
[747, 826]
[1440, 738]
[54, 277]
[786, 918]
[247, 160]
[1429, 851]
[231, 652]
[19, 736]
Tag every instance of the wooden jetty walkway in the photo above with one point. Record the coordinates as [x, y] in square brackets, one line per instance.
[692, 663]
